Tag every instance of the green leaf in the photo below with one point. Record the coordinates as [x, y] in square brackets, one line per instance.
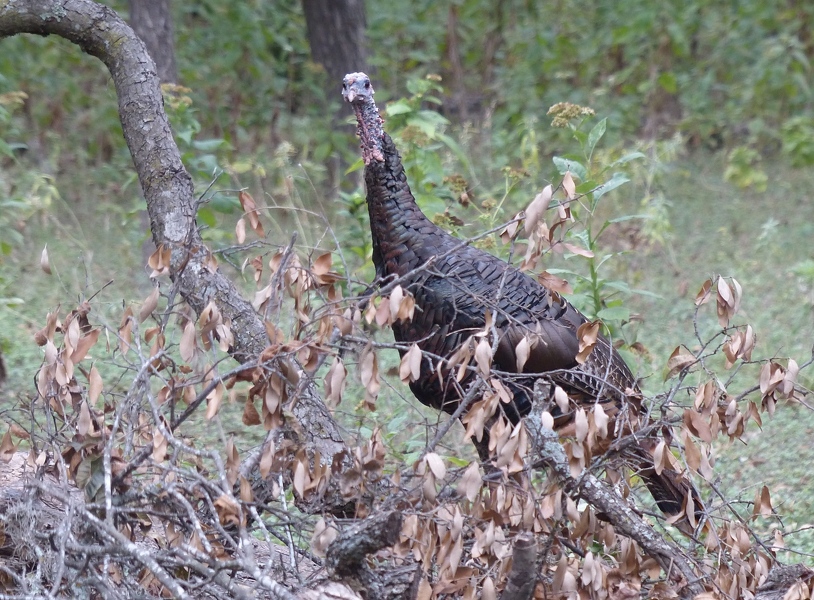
[5, 149]
[241, 166]
[582, 138]
[430, 204]
[614, 313]
[185, 136]
[359, 164]
[207, 216]
[224, 204]
[628, 157]
[613, 183]
[208, 145]
[587, 187]
[624, 218]
[566, 164]
[457, 462]
[667, 81]
[569, 273]
[399, 107]
[455, 148]
[625, 288]
[596, 134]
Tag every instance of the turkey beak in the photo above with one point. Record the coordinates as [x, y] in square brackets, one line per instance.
[349, 88]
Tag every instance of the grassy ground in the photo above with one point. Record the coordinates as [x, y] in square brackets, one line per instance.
[762, 239]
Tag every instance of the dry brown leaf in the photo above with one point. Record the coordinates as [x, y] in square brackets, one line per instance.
[246, 493]
[695, 423]
[510, 231]
[679, 360]
[250, 414]
[159, 446]
[554, 283]
[601, 420]
[95, 385]
[537, 209]
[267, 459]
[7, 448]
[581, 425]
[569, 186]
[324, 534]
[659, 458]
[240, 230]
[547, 420]
[383, 316]
[335, 382]
[84, 345]
[370, 375]
[396, 296]
[250, 208]
[521, 352]
[424, 590]
[578, 250]
[149, 305]
[587, 334]
[83, 424]
[561, 398]
[436, 465]
[300, 476]
[45, 263]
[126, 330]
[410, 367]
[470, 482]
[19, 432]
[187, 345]
[454, 557]
[483, 356]
[763, 503]
[213, 401]
[703, 295]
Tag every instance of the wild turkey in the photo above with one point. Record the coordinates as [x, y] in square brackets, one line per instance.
[459, 283]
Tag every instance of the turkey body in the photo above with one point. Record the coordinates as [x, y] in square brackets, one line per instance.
[455, 285]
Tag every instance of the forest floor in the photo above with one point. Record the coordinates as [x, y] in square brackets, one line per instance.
[761, 239]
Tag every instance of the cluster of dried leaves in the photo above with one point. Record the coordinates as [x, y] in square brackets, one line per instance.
[168, 515]
[128, 500]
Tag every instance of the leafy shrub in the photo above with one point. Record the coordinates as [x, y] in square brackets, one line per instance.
[798, 140]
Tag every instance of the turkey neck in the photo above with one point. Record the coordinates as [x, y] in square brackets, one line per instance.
[395, 218]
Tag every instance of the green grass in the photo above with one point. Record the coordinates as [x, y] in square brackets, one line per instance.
[762, 239]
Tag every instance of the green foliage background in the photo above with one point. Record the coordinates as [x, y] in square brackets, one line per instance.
[717, 97]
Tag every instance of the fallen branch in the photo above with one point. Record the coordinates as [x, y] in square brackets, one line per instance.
[547, 448]
[523, 576]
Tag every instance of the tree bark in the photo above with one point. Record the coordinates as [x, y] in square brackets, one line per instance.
[152, 22]
[167, 187]
[336, 34]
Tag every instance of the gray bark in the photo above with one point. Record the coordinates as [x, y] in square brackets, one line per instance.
[152, 22]
[336, 34]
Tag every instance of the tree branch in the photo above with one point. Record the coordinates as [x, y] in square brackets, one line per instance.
[523, 576]
[167, 186]
[546, 445]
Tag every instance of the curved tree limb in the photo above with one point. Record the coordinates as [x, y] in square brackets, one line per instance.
[167, 186]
